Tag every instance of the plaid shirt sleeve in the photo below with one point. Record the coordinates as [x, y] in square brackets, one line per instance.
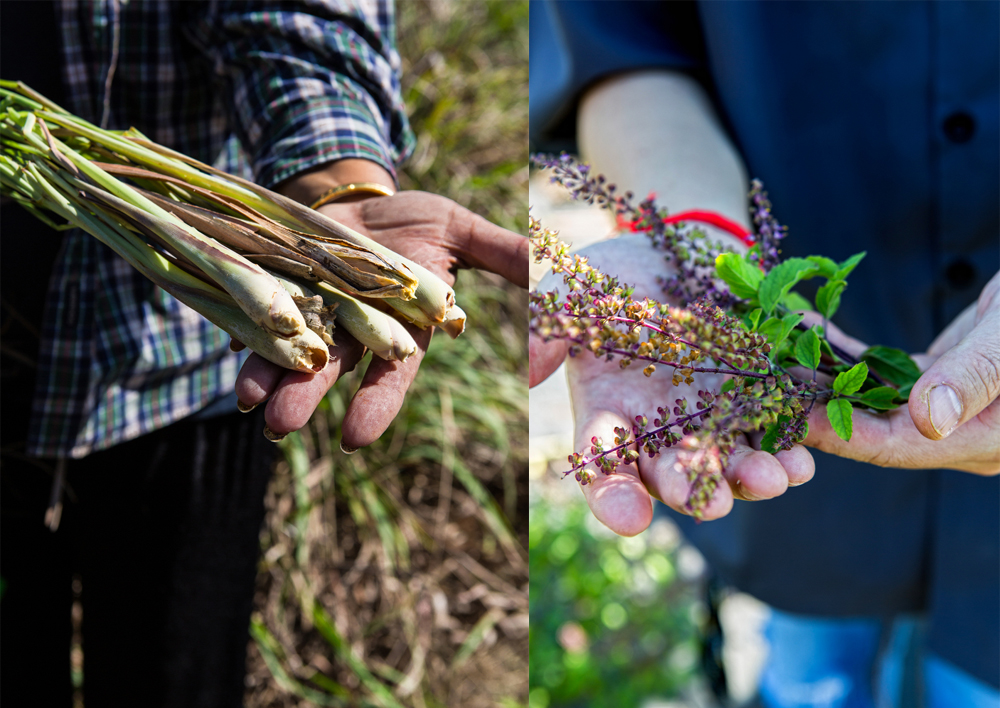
[308, 84]
[268, 87]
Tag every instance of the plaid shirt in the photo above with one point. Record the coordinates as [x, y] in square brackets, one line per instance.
[266, 90]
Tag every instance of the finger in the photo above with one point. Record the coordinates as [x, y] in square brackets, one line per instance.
[544, 358]
[961, 383]
[669, 483]
[754, 475]
[294, 395]
[620, 501]
[380, 396]
[954, 332]
[484, 245]
[256, 381]
[798, 463]
[870, 436]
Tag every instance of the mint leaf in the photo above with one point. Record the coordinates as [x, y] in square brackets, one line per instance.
[851, 380]
[850, 264]
[741, 277]
[771, 434]
[839, 412]
[781, 279]
[828, 297]
[807, 349]
[827, 266]
[881, 398]
[895, 366]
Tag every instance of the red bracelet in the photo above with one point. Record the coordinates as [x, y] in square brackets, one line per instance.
[704, 217]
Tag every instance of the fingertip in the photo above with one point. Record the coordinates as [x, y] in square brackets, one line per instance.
[256, 380]
[620, 502]
[754, 475]
[798, 464]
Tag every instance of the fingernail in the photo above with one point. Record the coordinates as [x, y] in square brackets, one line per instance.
[244, 408]
[748, 496]
[347, 449]
[945, 409]
[273, 436]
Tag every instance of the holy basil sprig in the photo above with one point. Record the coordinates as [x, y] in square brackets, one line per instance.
[770, 303]
[723, 314]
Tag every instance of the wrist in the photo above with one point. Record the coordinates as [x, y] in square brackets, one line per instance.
[307, 187]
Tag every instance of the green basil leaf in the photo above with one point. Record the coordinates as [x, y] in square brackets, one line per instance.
[827, 266]
[893, 365]
[777, 330]
[807, 349]
[771, 434]
[850, 264]
[793, 301]
[780, 280]
[881, 398]
[851, 380]
[730, 384]
[839, 412]
[828, 297]
[742, 278]
[754, 318]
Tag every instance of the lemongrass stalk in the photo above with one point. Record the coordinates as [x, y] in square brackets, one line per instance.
[258, 293]
[433, 297]
[381, 333]
[305, 352]
[454, 321]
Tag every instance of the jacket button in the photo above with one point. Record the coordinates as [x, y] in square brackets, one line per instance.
[960, 274]
[959, 127]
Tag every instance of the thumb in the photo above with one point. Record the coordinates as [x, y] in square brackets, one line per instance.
[544, 358]
[961, 383]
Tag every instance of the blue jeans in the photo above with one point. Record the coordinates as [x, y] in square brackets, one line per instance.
[836, 663]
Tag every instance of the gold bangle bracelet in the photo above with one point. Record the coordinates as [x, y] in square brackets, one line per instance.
[344, 190]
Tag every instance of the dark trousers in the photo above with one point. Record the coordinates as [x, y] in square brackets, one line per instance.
[163, 532]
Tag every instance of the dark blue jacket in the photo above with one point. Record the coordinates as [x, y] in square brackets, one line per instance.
[874, 127]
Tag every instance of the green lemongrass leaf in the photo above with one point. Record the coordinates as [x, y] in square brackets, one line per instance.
[794, 301]
[850, 264]
[780, 280]
[839, 413]
[851, 380]
[743, 278]
[893, 365]
[828, 297]
[771, 434]
[807, 349]
[882, 398]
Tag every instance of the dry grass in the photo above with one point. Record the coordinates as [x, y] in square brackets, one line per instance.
[398, 576]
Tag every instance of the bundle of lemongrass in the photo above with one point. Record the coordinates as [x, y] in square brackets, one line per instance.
[271, 272]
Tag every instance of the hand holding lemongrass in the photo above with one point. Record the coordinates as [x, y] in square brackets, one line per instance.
[429, 229]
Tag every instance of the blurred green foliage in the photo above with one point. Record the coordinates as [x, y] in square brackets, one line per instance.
[611, 622]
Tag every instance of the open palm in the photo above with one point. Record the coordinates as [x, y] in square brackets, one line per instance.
[426, 228]
[605, 396]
